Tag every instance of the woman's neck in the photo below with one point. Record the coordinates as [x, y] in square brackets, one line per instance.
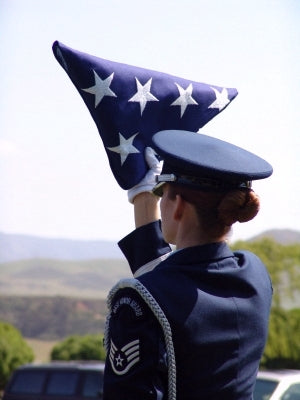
[190, 231]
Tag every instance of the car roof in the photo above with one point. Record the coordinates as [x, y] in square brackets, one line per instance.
[279, 374]
[75, 365]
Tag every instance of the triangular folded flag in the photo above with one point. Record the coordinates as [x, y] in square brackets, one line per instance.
[130, 104]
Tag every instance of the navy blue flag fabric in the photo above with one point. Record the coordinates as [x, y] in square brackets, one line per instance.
[130, 104]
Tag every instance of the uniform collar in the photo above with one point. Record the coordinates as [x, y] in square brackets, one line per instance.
[198, 254]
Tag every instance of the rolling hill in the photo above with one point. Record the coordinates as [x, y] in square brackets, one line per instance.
[32, 266]
[15, 247]
[51, 288]
[282, 236]
[49, 277]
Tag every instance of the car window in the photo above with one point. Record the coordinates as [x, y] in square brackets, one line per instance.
[28, 382]
[92, 384]
[62, 383]
[264, 389]
[292, 393]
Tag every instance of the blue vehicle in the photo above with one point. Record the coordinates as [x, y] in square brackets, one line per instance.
[56, 381]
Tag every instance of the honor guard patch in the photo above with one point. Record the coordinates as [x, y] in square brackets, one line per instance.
[123, 359]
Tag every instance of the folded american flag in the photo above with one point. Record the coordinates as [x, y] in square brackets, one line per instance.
[130, 104]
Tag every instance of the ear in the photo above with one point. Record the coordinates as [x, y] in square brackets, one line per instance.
[178, 207]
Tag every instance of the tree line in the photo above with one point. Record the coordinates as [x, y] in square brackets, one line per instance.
[283, 263]
[53, 318]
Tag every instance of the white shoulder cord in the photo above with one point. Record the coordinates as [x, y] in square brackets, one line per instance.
[162, 319]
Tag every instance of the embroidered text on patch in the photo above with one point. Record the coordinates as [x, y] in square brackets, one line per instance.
[129, 302]
[123, 359]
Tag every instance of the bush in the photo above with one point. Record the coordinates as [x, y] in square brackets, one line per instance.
[88, 347]
[282, 263]
[283, 346]
[14, 351]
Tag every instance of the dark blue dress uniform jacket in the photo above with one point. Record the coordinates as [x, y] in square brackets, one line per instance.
[192, 327]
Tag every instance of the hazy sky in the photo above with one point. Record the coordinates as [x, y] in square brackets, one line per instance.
[55, 179]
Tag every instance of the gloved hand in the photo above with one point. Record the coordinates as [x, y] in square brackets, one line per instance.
[149, 180]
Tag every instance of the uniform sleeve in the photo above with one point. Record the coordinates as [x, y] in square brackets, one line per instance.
[144, 246]
[136, 366]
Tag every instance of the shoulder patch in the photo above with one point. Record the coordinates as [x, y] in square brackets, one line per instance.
[123, 359]
[121, 356]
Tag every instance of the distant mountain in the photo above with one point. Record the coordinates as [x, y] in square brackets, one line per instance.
[282, 236]
[33, 266]
[15, 247]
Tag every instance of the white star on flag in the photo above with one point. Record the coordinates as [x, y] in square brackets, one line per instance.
[143, 94]
[221, 99]
[184, 99]
[125, 147]
[101, 88]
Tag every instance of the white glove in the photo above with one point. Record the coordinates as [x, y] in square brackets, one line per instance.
[149, 180]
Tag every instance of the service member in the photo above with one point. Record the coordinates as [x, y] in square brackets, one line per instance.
[193, 322]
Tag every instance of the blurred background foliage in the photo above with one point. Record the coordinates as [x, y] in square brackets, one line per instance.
[76, 325]
[75, 347]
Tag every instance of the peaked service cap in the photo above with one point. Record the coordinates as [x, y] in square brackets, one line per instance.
[206, 163]
[129, 104]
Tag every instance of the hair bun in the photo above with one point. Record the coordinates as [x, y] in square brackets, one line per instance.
[238, 205]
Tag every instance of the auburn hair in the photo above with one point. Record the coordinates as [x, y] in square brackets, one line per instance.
[218, 211]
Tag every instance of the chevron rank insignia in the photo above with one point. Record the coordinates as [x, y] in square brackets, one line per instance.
[123, 359]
